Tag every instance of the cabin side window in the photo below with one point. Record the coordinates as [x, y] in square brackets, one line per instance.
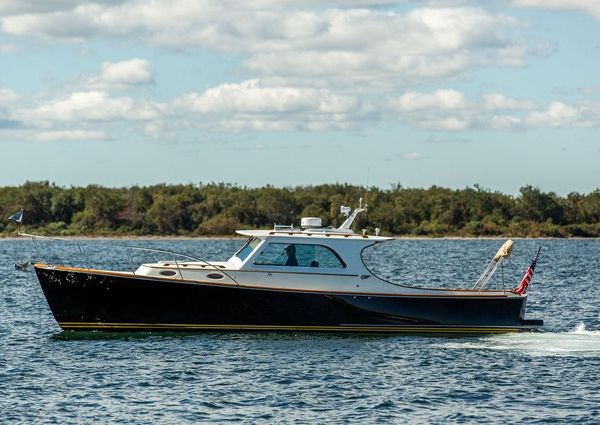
[248, 247]
[299, 255]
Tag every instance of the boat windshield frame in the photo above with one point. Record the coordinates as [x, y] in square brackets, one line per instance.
[402, 285]
[248, 248]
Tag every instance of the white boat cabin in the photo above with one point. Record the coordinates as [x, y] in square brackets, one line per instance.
[313, 258]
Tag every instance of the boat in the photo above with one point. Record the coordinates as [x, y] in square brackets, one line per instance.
[311, 278]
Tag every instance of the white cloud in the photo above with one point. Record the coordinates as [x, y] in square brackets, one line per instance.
[440, 99]
[131, 72]
[591, 7]
[410, 156]
[91, 106]
[123, 75]
[383, 49]
[160, 130]
[7, 48]
[498, 101]
[443, 139]
[445, 110]
[505, 122]
[277, 124]
[450, 110]
[10, 7]
[64, 135]
[287, 40]
[316, 65]
[456, 123]
[252, 105]
[252, 97]
[559, 114]
[7, 97]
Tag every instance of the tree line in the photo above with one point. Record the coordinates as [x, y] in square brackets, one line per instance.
[220, 209]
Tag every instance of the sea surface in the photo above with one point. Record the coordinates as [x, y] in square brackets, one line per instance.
[50, 376]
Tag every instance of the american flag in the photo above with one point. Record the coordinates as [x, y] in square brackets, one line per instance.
[521, 288]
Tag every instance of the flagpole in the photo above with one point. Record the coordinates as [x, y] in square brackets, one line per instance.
[20, 222]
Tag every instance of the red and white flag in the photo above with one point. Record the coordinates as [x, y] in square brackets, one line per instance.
[521, 288]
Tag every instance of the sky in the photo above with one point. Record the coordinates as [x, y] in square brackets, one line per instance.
[284, 92]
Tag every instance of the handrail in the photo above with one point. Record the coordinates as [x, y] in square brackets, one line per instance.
[37, 250]
[161, 251]
[173, 253]
[127, 248]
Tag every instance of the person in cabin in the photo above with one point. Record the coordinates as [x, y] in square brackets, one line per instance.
[291, 254]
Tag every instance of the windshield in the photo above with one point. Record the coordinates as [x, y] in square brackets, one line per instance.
[248, 247]
[436, 263]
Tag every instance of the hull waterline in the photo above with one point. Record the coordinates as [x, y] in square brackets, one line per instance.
[94, 300]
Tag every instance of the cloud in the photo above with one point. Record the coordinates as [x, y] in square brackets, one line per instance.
[283, 40]
[160, 130]
[410, 156]
[130, 72]
[439, 99]
[558, 114]
[117, 76]
[281, 124]
[252, 97]
[591, 7]
[91, 106]
[249, 105]
[10, 7]
[40, 121]
[252, 105]
[498, 101]
[315, 66]
[447, 110]
[505, 122]
[9, 124]
[7, 48]
[450, 110]
[76, 134]
[385, 49]
[7, 97]
[439, 139]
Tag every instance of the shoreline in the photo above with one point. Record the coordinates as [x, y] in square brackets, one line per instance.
[129, 238]
[241, 238]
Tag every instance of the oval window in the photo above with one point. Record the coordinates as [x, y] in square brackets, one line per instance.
[214, 276]
[168, 273]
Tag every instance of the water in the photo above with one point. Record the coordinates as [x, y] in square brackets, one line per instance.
[49, 376]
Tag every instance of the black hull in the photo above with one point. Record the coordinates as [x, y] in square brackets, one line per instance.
[88, 300]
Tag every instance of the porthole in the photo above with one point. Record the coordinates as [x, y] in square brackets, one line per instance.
[214, 276]
[168, 273]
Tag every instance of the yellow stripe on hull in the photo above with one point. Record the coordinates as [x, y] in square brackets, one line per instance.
[347, 328]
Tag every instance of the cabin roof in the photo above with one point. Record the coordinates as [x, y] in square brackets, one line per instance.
[317, 233]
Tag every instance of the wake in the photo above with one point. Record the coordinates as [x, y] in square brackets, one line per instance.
[578, 342]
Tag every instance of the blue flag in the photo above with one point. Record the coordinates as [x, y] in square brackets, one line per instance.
[17, 218]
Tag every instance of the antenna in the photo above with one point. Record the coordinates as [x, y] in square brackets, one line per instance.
[350, 218]
[345, 210]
